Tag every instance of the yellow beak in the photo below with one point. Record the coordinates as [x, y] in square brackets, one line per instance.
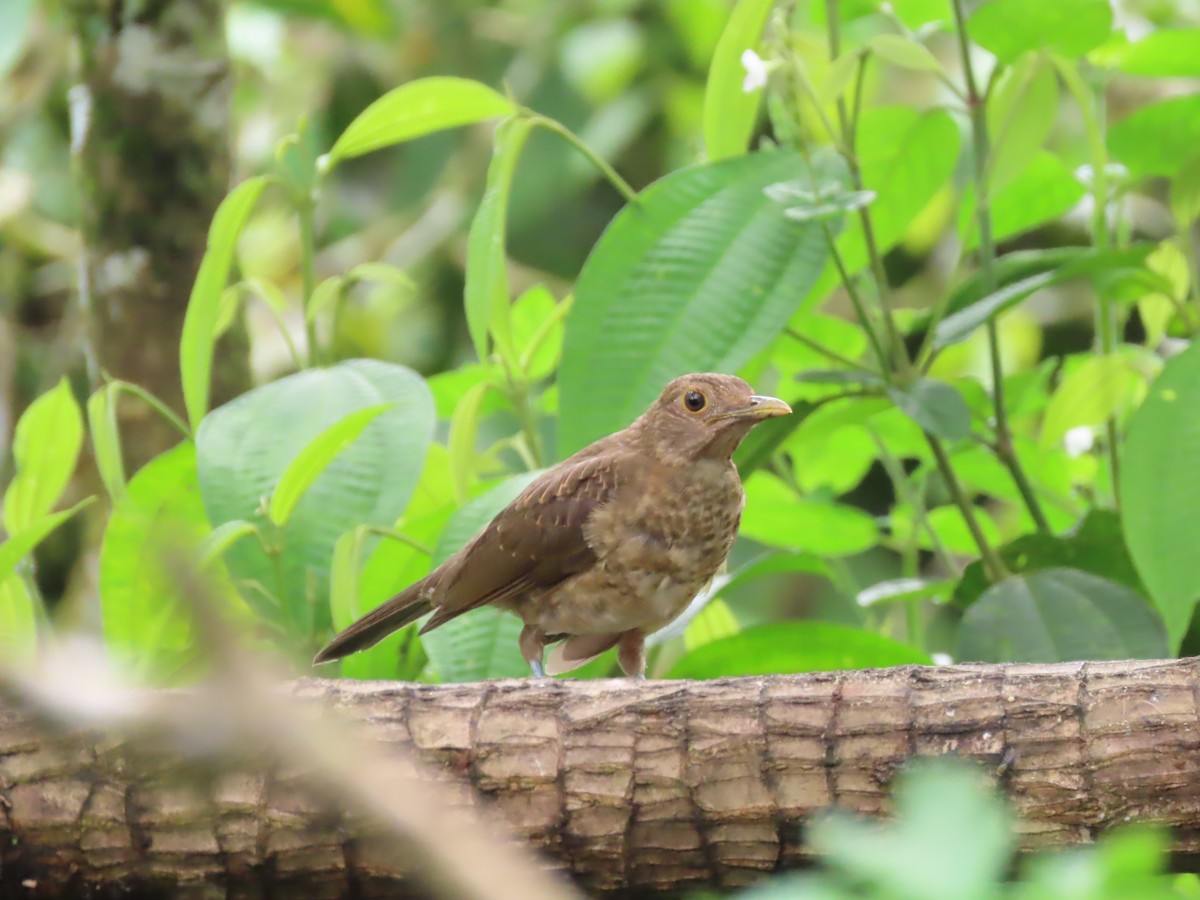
[760, 408]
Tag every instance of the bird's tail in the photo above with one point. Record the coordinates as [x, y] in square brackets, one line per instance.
[407, 606]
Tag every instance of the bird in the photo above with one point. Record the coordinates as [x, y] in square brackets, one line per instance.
[605, 547]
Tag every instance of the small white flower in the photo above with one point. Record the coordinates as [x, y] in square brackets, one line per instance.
[1079, 440]
[756, 72]
[942, 659]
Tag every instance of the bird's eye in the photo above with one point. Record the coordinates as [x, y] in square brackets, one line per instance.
[694, 401]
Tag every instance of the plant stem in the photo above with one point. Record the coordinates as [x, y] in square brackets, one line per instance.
[518, 393]
[849, 133]
[305, 210]
[860, 308]
[400, 538]
[905, 492]
[991, 560]
[614, 178]
[977, 109]
[833, 355]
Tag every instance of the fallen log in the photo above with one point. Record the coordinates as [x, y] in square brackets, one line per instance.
[622, 784]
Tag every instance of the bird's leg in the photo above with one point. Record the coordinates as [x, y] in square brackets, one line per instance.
[533, 645]
[631, 653]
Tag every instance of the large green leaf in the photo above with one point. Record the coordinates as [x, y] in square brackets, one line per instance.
[730, 112]
[784, 648]
[1009, 28]
[245, 446]
[1159, 138]
[1060, 615]
[416, 109]
[46, 446]
[699, 274]
[482, 643]
[146, 628]
[204, 304]
[1160, 490]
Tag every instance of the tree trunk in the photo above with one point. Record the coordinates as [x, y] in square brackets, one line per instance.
[150, 133]
[626, 785]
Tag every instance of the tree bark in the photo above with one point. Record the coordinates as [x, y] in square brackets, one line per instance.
[151, 137]
[626, 785]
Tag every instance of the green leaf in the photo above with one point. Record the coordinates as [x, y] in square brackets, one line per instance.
[785, 648]
[1160, 492]
[315, 457]
[1159, 138]
[1022, 111]
[20, 545]
[46, 447]
[221, 538]
[1096, 546]
[15, 19]
[906, 158]
[904, 52]
[1185, 193]
[714, 622]
[934, 405]
[146, 627]
[18, 623]
[1021, 274]
[416, 109]
[487, 291]
[775, 515]
[1009, 28]
[464, 430]
[1098, 389]
[482, 643]
[1059, 615]
[537, 324]
[729, 112]
[324, 296]
[951, 838]
[245, 446]
[1169, 53]
[724, 267]
[1041, 193]
[106, 439]
[203, 311]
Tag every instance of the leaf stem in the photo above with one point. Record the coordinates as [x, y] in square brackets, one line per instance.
[614, 178]
[991, 560]
[399, 537]
[977, 110]
[799, 336]
[849, 129]
[907, 495]
[305, 211]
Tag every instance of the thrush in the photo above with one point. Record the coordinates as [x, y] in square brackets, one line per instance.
[607, 546]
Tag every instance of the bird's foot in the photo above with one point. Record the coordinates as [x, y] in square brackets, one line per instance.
[537, 669]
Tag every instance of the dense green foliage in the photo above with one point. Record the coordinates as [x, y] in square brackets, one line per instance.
[870, 260]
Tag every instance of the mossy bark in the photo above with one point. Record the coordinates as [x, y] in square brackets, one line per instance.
[151, 139]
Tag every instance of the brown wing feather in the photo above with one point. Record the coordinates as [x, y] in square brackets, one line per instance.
[533, 544]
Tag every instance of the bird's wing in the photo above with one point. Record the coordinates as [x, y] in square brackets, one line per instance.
[534, 543]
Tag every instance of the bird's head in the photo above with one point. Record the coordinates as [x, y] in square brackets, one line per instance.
[705, 415]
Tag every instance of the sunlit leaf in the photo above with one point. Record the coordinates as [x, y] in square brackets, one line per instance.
[315, 457]
[487, 291]
[20, 545]
[203, 311]
[45, 449]
[777, 516]
[1165, 53]
[18, 623]
[1101, 387]
[416, 109]
[789, 647]
[1158, 138]
[1009, 28]
[729, 112]
[904, 52]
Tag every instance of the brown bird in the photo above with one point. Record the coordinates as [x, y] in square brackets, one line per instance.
[607, 546]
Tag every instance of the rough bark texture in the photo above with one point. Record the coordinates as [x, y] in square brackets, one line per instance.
[626, 785]
[151, 135]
